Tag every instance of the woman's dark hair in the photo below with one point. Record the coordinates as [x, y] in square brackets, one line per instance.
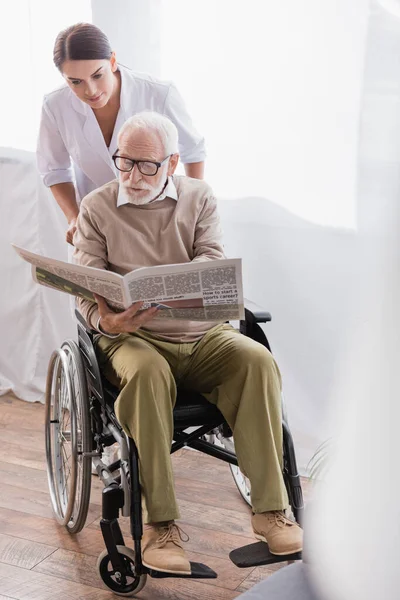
[82, 41]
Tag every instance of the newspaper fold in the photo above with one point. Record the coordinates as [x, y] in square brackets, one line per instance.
[199, 291]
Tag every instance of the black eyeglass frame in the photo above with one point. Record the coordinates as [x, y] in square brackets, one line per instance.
[134, 162]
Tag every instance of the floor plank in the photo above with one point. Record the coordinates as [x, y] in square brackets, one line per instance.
[25, 477]
[206, 470]
[24, 584]
[25, 500]
[74, 566]
[43, 530]
[28, 438]
[184, 589]
[19, 455]
[13, 411]
[193, 490]
[258, 574]
[23, 553]
[224, 520]
[35, 502]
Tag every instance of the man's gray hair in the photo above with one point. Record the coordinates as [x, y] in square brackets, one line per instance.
[160, 124]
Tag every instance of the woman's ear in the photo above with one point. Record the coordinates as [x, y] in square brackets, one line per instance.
[173, 163]
[113, 61]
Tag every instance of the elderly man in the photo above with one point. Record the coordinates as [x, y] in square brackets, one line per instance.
[151, 217]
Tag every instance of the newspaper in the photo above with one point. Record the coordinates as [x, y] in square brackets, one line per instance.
[198, 291]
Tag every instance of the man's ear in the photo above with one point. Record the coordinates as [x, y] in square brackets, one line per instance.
[113, 61]
[173, 163]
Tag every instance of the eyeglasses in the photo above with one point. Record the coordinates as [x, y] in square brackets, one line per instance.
[146, 167]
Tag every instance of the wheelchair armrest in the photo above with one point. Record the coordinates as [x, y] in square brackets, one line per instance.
[87, 349]
[250, 326]
[255, 314]
[81, 320]
[83, 323]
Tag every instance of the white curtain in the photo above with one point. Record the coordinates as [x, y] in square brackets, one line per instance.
[33, 320]
[354, 523]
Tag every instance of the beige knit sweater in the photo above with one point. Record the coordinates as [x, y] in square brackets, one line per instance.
[168, 231]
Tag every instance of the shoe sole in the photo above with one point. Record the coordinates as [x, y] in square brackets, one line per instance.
[262, 539]
[165, 570]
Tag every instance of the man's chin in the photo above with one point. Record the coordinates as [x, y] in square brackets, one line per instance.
[137, 198]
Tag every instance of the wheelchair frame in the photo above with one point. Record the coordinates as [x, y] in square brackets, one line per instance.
[122, 492]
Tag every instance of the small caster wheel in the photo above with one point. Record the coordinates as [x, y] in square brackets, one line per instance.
[122, 585]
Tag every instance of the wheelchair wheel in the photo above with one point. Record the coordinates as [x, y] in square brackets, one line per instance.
[121, 585]
[68, 437]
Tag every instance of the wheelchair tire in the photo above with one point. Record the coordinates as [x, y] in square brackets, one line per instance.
[68, 437]
[133, 584]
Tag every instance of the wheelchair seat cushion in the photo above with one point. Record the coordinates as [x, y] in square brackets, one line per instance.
[191, 409]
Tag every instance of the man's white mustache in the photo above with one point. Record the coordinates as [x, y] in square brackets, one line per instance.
[147, 188]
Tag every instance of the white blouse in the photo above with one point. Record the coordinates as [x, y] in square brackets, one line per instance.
[71, 147]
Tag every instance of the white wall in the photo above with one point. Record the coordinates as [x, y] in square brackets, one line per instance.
[133, 29]
[275, 88]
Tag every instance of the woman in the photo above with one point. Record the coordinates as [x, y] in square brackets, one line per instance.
[80, 120]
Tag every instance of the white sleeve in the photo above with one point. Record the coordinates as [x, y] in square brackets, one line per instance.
[191, 143]
[53, 160]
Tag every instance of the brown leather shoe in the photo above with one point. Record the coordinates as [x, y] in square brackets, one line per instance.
[282, 535]
[162, 549]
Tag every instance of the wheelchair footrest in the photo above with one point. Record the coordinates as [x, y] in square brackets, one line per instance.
[258, 554]
[199, 571]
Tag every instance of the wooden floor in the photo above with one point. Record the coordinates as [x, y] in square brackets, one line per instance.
[39, 560]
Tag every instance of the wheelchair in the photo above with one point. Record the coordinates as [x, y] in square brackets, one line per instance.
[80, 423]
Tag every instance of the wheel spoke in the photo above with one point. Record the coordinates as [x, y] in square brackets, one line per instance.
[66, 466]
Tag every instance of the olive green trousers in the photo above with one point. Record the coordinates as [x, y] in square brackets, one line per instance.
[230, 370]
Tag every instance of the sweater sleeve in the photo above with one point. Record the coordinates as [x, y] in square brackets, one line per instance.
[208, 233]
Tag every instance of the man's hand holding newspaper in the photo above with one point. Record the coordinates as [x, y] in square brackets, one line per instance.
[127, 321]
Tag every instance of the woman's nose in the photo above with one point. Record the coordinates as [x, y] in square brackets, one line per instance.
[90, 91]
